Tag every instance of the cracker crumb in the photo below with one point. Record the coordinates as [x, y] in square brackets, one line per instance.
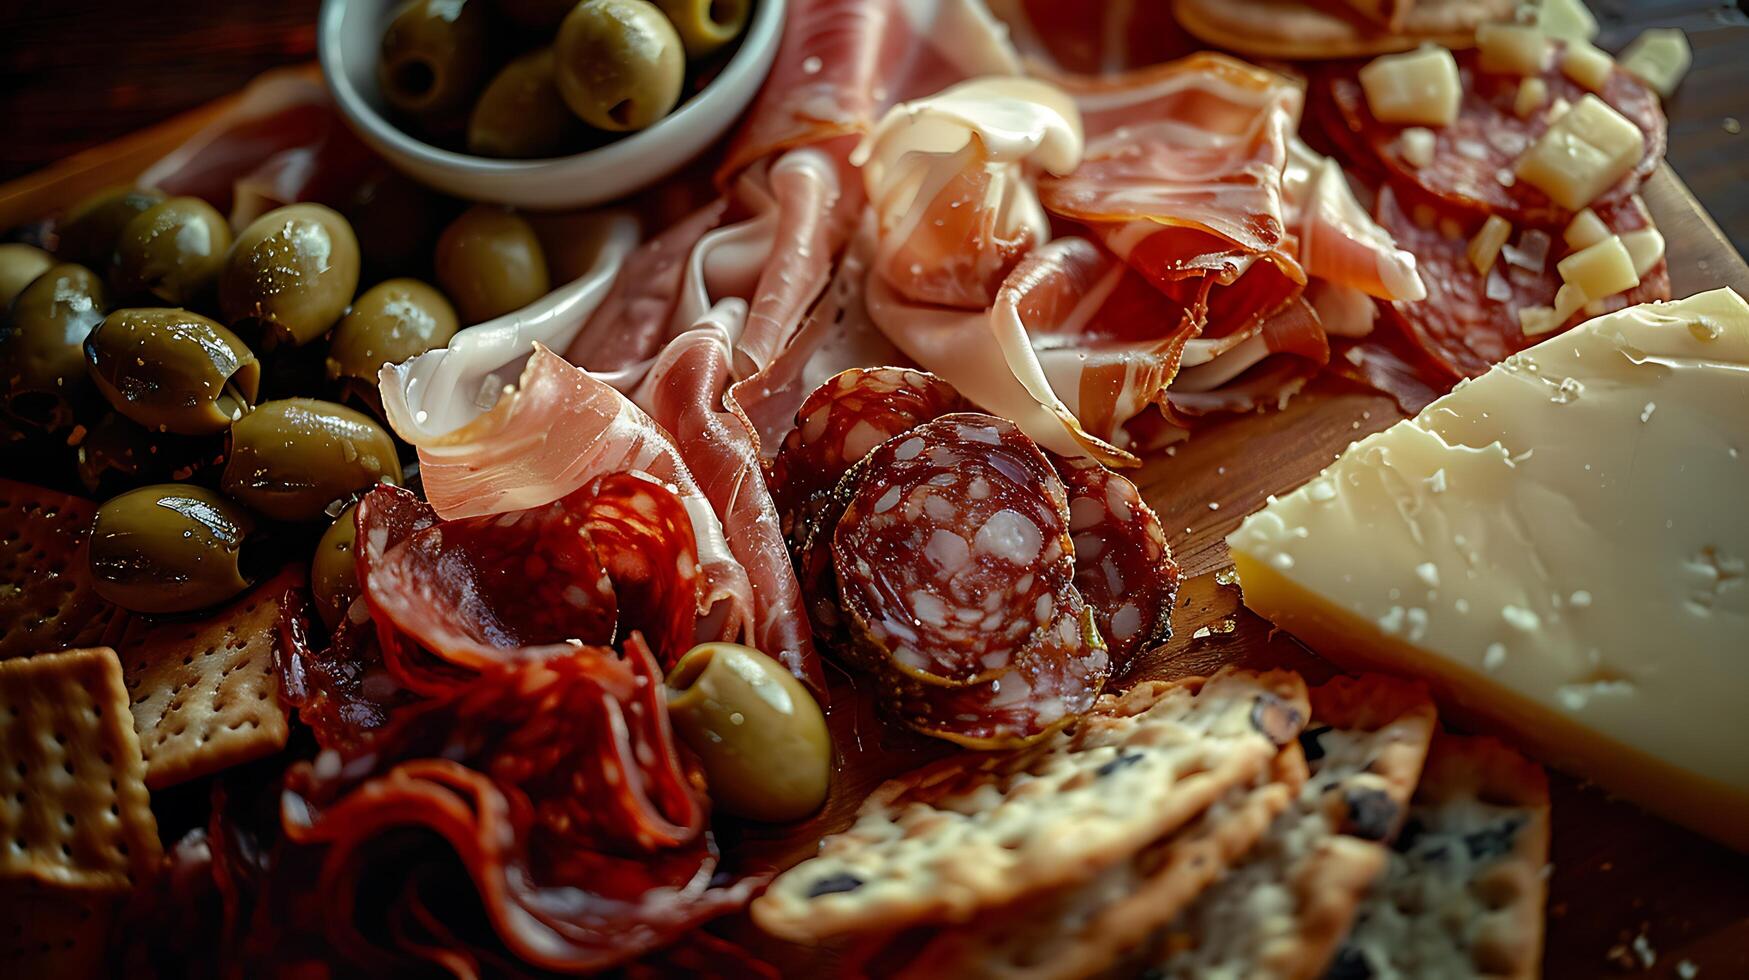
[1644, 952]
[1732, 126]
[1687, 970]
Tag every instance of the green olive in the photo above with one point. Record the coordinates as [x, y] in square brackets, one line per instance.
[294, 271]
[705, 25]
[766, 751]
[391, 322]
[520, 115]
[620, 63]
[290, 459]
[167, 548]
[89, 229]
[490, 263]
[434, 56]
[172, 370]
[19, 264]
[42, 346]
[333, 570]
[173, 250]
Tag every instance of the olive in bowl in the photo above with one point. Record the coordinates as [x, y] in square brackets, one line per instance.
[521, 115]
[290, 459]
[167, 548]
[434, 56]
[293, 271]
[171, 370]
[705, 26]
[490, 262]
[173, 250]
[761, 736]
[391, 322]
[42, 346]
[620, 64]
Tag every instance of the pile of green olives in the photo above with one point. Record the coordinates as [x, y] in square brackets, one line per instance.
[218, 387]
[576, 72]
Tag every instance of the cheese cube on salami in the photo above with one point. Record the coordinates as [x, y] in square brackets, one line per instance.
[1659, 57]
[1420, 87]
[1586, 150]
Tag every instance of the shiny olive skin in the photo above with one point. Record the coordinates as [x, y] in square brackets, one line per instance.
[168, 548]
[620, 63]
[19, 264]
[489, 262]
[433, 57]
[290, 459]
[173, 371]
[42, 348]
[763, 740]
[705, 26]
[333, 570]
[89, 229]
[293, 271]
[173, 250]
[391, 322]
[520, 116]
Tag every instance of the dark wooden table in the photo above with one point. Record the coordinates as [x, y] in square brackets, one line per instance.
[74, 73]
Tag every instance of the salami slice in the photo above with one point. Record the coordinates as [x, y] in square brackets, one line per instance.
[1123, 567]
[953, 550]
[1473, 158]
[1470, 321]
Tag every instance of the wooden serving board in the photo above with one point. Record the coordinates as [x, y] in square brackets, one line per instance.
[1618, 873]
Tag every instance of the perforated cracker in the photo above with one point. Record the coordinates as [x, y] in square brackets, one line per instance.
[73, 804]
[984, 830]
[46, 601]
[204, 692]
[55, 933]
[1281, 914]
[1464, 891]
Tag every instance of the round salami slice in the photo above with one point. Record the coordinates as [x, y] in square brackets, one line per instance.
[1469, 321]
[1122, 564]
[1473, 158]
[953, 550]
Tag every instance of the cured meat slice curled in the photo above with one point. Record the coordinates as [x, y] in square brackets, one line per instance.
[1122, 564]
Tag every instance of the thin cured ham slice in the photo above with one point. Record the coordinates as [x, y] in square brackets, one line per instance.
[948, 177]
[1247, 375]
[1053, 37]
[559, 428]
[1340, 244]
[687, 393]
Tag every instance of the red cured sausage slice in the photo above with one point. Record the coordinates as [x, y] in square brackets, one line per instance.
[1123, 566]
[1473, 154]
[1470, 321]
[953, 550]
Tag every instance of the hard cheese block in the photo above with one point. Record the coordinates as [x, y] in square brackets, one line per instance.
[1561, 547]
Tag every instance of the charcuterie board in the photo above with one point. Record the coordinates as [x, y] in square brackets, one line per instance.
[1630, 894]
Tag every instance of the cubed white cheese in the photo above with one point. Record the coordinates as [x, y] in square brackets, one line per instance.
[1646, 246]
[1532, 94]
[1587, 64]
[1485, 247]
[1659, 57]
[1568, 20]
[1418, 87]
[1606, 463]
[1512, 49]
[1415, 145]
[1586, 229]
[1589, 148]
[1600, 270]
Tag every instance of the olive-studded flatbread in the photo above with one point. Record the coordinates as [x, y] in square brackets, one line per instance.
[1087, 927]
[1307, 30]
[1464, 890]
[1282, 912]
[983, 830]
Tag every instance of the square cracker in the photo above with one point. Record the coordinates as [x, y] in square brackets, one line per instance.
[46, 599]
[1464, 891]
[205, 692]
[55, 933]
[982, 830]
[1087, 928]
[1282, 912]
[73, 804]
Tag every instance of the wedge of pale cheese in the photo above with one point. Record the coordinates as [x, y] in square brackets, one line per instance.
[1561, 547]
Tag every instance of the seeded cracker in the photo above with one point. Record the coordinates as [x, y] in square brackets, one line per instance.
[1282, 912]
[46, 601]
[205, 694]
[1464, 892]
[1087, 927]
[54, 933]
[982, 830]
[73, 804]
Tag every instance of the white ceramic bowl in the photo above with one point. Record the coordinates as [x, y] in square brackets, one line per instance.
[347, 35]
